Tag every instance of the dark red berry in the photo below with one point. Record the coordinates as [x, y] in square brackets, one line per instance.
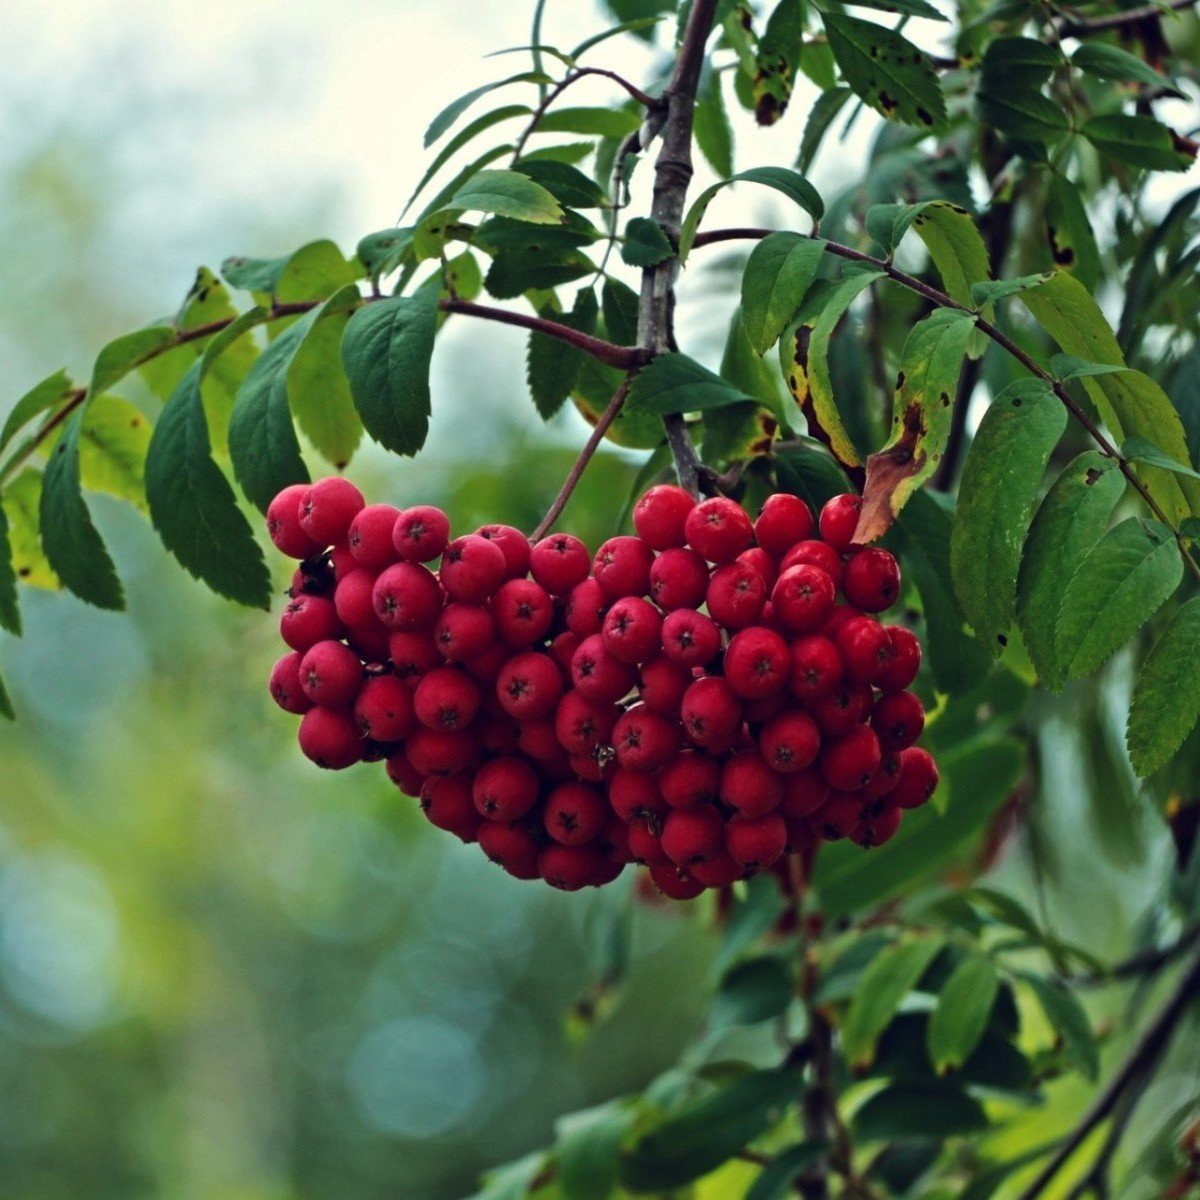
[574, 814]
[790, 741]
[848, 762]
[644, 740]
[756, 842]
[504, 789]
[689, 779]
[660, 514]
[383, 709]
[446, 699]
[285, 685]
[559, 562]
[898, 720]
[691, 835]
[330, 738]
[783, 521]
[420, 533]
[283, 524]
[718, 529]
[749, 785]
[816, 668]
[839, 520]
[370, 536]
[918, 778]
[871, 579]
[328, 507]
[711, 711]
[447, 803]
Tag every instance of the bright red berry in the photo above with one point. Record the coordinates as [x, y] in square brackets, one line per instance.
[756, 842]
[711, 711]
[884, 781]
[660, 514]
[412, 654]
[662, 683]
[447, 699]
[736, 595]
[407, 596]
[749, 785]
[420, 533]
[814, 554]
[802, 598]
[720, 871]
[839, 520]
[690, 638]
[529, 686]
[622, 567]
[559, 562]
[353, 598]
[441, 751]
[644, 740]
[307, 620]
[331, 674]
[757, 663]
[816, 668]
[646, 846]
[472, 568]
[598, 674]
[632, 630]
[762, 562]
[898, 720]
[523, 611]
[862, 643]
[584, 610]
[463, 631]
[838, 816]
[718, 529]
[330, 738]
[902, 660]
[790, 741]
[403, 774]
[328, 507]
[582, 724]
[871, 579]
[635, 796]
[918, 778]
[513, 544]
[783, 521]
[383, 709]
[678, 579]
[283, 523]
[285, 685]
[370, 536]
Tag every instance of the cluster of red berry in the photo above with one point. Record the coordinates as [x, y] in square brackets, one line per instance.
[693, 698]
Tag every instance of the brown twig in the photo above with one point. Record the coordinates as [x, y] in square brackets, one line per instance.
[1131, 16]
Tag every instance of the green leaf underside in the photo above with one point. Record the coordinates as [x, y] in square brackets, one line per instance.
[676, 383]
[962, 1012]
[1127, 576]
[1069, 1021]
[51, 393]
[508, 194]
[598, 122]
[193, 506]
[22, 502]
[1068, 524]
[114, 437]
[1166, 697]
[999, 486]
[778, 273]
[71, 541]
[552, 368]
[126, 353]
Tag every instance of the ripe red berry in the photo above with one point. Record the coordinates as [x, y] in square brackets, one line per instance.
[803, 793]
[901, 660]
[598, 674]
[472, 568]
[718, 529]
[514, 545]
[736, 595]
[660, 514]
[876, 828]
[841, 710]
[574, 814]
[689, 779]
[504, 789]
[330, 738]
[369, 641]
[848, 762]
[762, 562]
[511, 846]
[447, 699]
[403, 774]
[757, 663]
[711, 711]
[749, 785]
[523, 611]
[307, 620]
[862, 644]
[898, 720]
[412, 654]
[420, 533]
[662, 683]
[581, 724]
[383, 709]
[285, 685]
[756, 842]
[632, 630]
[691, 835]
[559, 562]
[918, 778]
[584, 610]
[635, 796]
[328, 507]
[838, 816]
[674, 883]
[529, 686]
[645, 844]
[644, 740]
[678, 579]
[790, 741]
[407, 596]
[839, 520]
[720, 871]
[871, 579]
[331, 674]
[353, 598]
[690, 638]
[370, 536]
[814, 554]
[783, 521]
[622, 567]
[884, 781]
[816, 668]
[570, 868]
[802, 598]
[446, 802]
[283, 523]
[463, 631]
[441, 751]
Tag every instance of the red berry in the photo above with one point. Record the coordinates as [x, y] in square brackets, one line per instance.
[862, 643]
[307, 620]
[283, 523]
[562, 650]
[440, 751]
[369, 640]
[412, 654]
[370, 536]
[570, 868]
[403, 774]
[635, 796]
[842, 613]
[918, 778]
[884, 781]
[644, 740]
[839, 520]
[736, 595]
[523, 611]
[816, 668]
[842, 709]
[330, 738]
[331, 674]
[447, 804]
[749, 785]
[446, 698]
[790, 741]
[407, 596]
[848, 762]
[690, 638]
[511, 846]
[802, 598]
[839, 815]
[584, 610]
[328, 507]
[581, 724]
[622, 567]
[756, 842]
[384, 709]
[877, 828]
[803, 793]
[559, 562]
[814, 554]
[646, 846]
[420, 533]
[757, 663]
[285, 684]
[472, 568]
[505, 789]
[353, 598]
[678, 579]
[901, 660]
[691, 835]
[538, 740]
[759, 560]
[871, 579]
[662, 683]
[674, 883]
[898, 720]
[632, 630]
[529, 686]
[718, 529]
[598, 674]
[758, 712]
[720, 871]
[689, 779]
[711, 711]
[342, 562]
[783, 521]
[660, 514]
[463, 631]
[514, 545]
[574, 814]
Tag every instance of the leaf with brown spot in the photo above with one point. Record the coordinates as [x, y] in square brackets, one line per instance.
[929, 366]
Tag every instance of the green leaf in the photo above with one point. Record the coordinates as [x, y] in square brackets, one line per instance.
[988, 291]
[1166, 697]
[890, 977]
[1009, 95]
[751, 917]
[383, 251]
[821, 116]
[779, 272]
[513, 273]
[313, 272]
[114, 437]
[1140, 450]
[1069, 232]
[22, 502]
[961, 1016]
[125, 354]
[1069, 1022]
[594, 122]
[552, 368]
[1000, 481]
[676, 383]
[714, 134]
[456, 108]
[1070, 366]
[808, 471]
[795, 187]
[508, 194]
[386, 352]
[513, 1181]
[619, 303]
[804, 355]
[1128, 575]
[645, 244]
[886, 71]
[1068, 524]
[10, 612]
[907, 8]
[193, 507]
[51, 393]
[72, 544]
[1111, 62]
[955, 245]
[709, 1132]
[6, 704]
[1130, 403]
[930, 363]
[918, 1110]
[1139, 141]
[567, 184]
[777, 1177]
[752, 991]
[587, 1149]
[635, 25]
[776, 60]
[502, 235]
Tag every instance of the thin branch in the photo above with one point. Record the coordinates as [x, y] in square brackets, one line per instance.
[1146, 963]
[1131, 16]
[611, 411]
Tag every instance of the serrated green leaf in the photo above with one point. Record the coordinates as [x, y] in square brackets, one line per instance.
[1069, 232]
[595, 122]
[1139, 450]
[792, 185]
[961, 1016]
[455, 109]
[445, 194]
[645, 244]
[1111, 62]
[776, 60]
[619, 303]
[552, 368]
[1069, 1021]
[1166, 697]
[778, 1177]
[955, 245]
[886, 71]
[22, 502]
[821, 116]
[752, 991]
[990, 290]
[907, 8]
[125, 354]
[587, 1147]
[1068, 524]
[1024, 114]
[1128, 575]
[515, 272]
[567, 184]
[676, 383]
[114, 437]
[52, 393]
[904, 1111]
[386, 351]
[1139, 141]
[508, 194]
[778, 273]
[499, 235]
[1070, 366]
[890, 977]
[10, 611]
[193, 507]
[383, 251]
[930, 363]
[1000, 482]
[71, 541]
[1027, 61]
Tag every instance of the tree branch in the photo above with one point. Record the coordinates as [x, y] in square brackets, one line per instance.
[1131, 16]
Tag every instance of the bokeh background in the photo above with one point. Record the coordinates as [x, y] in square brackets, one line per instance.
[223, 974]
